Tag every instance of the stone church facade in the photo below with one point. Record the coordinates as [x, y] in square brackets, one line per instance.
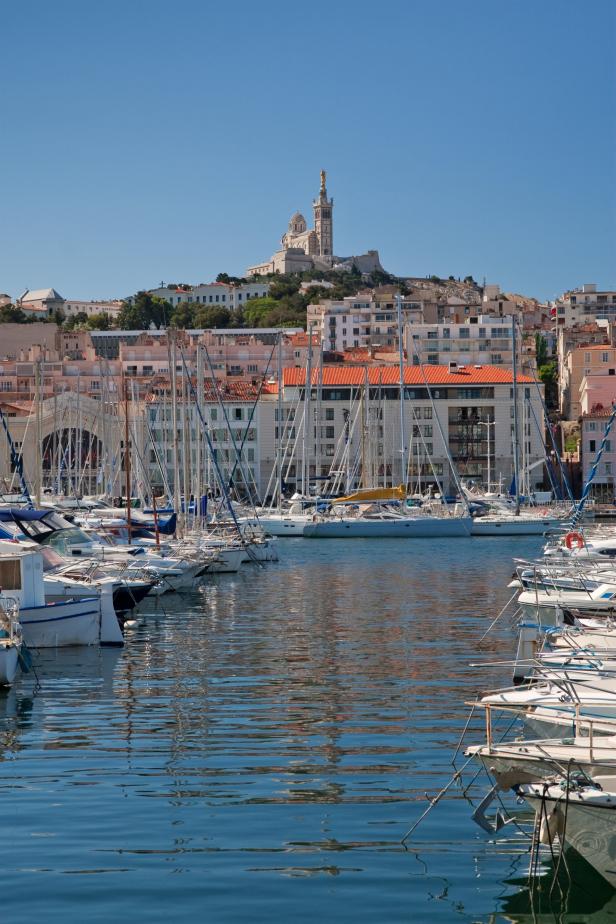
[304, 248]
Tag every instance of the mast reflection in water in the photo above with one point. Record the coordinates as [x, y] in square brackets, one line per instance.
[257, 751]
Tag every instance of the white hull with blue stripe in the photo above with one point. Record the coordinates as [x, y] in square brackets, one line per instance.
[56, 625]
[87, 620]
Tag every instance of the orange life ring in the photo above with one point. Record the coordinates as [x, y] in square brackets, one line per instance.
[570, 538]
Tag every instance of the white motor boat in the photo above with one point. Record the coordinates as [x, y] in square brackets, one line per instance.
[566, 701]
[10, 641]
[86, 621]
[515, 762]
[582, 816]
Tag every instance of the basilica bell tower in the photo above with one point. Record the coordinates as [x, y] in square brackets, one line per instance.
[323, 221]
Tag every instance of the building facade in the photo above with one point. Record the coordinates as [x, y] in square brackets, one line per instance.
[584, 304]
[73, 307]
[40, 303]
[354, 439]
[220, 294]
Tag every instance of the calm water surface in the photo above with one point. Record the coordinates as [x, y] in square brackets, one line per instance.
[257, 751]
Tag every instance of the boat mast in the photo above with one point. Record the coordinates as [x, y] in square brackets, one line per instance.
[171, 351]
[516, 445]
[401, 365]
[39, 448]
[127, 462]
[279, 452]
[306, 430]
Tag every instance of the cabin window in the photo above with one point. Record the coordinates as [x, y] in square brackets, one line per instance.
[10, 575]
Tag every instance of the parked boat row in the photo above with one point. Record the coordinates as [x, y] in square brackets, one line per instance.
[381, 516]
[558, 755]
[72, 582]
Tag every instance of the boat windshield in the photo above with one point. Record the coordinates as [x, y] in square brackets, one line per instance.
[63, 539]
[51, 559]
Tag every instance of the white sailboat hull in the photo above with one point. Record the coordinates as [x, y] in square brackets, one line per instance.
[513, 526]
[228, 561]
[404, 527]
[280, 525]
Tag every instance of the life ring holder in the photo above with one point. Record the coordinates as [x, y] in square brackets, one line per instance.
[576, 538]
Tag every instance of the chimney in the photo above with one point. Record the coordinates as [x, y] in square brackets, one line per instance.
[453, 366]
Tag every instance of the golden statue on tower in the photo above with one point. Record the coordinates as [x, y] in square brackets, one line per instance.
[323, 181]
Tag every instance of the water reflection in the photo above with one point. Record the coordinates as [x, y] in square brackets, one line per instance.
[585, 898]
[281, 727]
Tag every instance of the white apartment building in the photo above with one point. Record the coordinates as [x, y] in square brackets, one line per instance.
[362, 320]
[483, 340]
[221, 294]
[355, 421]
[584, 304]
[232, 420]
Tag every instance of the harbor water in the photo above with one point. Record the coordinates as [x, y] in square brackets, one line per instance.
[258, 750]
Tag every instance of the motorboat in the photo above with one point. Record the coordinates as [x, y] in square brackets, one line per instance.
[89, 620]
[581, 814]
[11, 642]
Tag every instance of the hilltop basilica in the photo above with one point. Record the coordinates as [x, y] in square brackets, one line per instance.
[305, 249]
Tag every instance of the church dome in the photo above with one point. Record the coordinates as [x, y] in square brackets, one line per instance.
[297, 224]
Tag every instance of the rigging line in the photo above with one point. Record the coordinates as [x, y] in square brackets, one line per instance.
[213, 458]
[238, 460]
[579, 510]
[552, 439]
[445, 442]
[16, 460]
[250, 419]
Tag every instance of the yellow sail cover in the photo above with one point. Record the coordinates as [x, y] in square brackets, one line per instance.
[374, 495]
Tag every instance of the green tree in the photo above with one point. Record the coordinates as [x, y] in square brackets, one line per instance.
[145, 310]
[541, 350]
[257, 309]
[11, 314]
[183, 316]
[99, 321]
[212, 316]
[548, 374]
[76, 321]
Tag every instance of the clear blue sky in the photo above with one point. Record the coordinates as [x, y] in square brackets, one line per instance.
[172, 140]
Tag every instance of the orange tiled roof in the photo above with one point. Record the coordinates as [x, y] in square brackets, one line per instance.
[598, 410]
[389, 375]
[302, 339]
[227, 391]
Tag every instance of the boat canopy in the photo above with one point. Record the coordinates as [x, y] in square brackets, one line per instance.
[374, 495]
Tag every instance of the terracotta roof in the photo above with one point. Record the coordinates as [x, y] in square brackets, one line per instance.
[234, 391]
[389, 375]
[598, 411]
[301, 339]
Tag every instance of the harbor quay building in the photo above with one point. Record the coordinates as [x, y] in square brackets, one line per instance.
[354, 437]
[345, 433]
